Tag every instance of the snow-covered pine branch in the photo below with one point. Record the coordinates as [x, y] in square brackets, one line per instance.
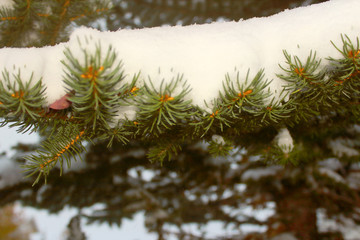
[204, 54]
[170, 85]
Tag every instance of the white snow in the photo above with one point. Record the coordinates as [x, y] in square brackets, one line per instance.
[137, 153]
[258, 173]
[41, 191]
[284, 140]
[202, 53]
[7, 4]
[10, 172]
[346, 226]
[142, 173]
[353, 180]
[218, 139]
[241, 212]
[331, 174]
[342, 146]
[331, 163]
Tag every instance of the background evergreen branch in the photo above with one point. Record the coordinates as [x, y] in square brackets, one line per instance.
[162, 151]
[150, 13]
[219, 146]
[46, 22]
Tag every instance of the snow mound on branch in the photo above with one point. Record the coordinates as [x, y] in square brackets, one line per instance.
[284, 140]
[204, 54]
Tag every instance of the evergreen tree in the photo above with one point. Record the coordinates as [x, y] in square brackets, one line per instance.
[209, 177]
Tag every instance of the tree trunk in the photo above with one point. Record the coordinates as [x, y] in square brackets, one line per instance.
[296, 213]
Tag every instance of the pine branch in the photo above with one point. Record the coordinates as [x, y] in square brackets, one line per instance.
[347, 68]
[121, 133]
[311, 91]
[247, 97]
[204, 121]
[20, 100]
[92, 86]
[96, 92]
[65, 145]
[159, 110]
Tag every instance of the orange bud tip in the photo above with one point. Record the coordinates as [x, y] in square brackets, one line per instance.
[134, 89]
[299, 71]
[352, 55]
[248, 92]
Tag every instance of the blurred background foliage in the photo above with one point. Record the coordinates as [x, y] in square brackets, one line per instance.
[151, 13]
